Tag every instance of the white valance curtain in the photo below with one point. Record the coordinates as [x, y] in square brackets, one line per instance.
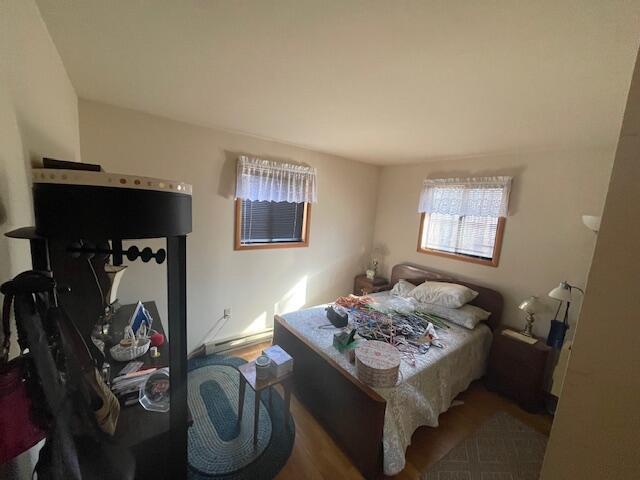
[265, 180]
[477, 197]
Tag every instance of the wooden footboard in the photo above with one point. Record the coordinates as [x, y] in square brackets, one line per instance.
[351, 411]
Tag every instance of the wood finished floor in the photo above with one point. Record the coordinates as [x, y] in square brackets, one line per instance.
[316, 456]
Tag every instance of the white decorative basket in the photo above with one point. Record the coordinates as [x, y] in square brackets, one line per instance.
[125, 353]
[377, 363]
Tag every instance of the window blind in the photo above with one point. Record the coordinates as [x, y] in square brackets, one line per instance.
[271, 222]
[465, 235]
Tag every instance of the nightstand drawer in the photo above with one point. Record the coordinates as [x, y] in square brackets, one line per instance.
[510, 366]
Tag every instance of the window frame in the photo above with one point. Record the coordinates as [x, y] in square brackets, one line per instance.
[238, 245]
[497, 246]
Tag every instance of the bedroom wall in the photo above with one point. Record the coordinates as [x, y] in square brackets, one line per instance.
[595, 432]
[544, 239]
[38, 117]
[253, 283]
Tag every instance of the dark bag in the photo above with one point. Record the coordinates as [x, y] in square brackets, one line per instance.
[20, 430]
[75, 448]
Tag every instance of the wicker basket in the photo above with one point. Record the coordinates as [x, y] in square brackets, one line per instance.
[377, 363]
[124, 354]
[137, 347]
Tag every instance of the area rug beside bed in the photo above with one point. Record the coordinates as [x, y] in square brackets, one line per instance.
[221, 448]
[502, 449]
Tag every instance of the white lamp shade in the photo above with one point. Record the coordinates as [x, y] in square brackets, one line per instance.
[592, 222]
[562, 292]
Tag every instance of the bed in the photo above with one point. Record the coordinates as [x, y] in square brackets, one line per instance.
[374, 426]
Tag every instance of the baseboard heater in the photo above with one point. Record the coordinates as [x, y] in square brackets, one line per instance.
[239, 342]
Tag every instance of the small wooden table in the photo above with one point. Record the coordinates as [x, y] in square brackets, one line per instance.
[248, 375]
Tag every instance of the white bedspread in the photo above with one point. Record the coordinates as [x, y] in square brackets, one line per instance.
[425, 390]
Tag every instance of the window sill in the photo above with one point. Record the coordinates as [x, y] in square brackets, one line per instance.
[267, 246]
[463, 258]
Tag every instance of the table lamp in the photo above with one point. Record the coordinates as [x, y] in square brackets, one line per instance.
[558, 329]
[529, 307]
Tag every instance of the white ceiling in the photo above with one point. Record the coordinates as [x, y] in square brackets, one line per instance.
[380, 81]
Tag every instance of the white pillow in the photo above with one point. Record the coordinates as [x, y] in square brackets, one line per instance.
[402, 288]
[467, 316]
[450, 295]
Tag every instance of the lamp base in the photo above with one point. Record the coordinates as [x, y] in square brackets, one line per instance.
[528, 329]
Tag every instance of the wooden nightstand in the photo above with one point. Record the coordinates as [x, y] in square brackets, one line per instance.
[517, 370]
[363, 286]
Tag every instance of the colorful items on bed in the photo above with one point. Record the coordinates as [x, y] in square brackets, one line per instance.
[408, 331]
[353, 301]
[401, 325]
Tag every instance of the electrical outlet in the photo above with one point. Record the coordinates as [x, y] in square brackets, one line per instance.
[227, 312]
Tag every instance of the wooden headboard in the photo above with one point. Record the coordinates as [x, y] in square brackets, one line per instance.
[488, 299]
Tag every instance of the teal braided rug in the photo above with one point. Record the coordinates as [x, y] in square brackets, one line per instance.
[219, 446]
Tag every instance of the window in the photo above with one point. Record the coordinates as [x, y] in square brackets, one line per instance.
[273, 203]
[464, 218]
[477, 238]
[265, 224]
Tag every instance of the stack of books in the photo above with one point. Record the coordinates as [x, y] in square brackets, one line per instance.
[127, 387]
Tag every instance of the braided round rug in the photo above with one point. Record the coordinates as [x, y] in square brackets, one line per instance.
[219, 446]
